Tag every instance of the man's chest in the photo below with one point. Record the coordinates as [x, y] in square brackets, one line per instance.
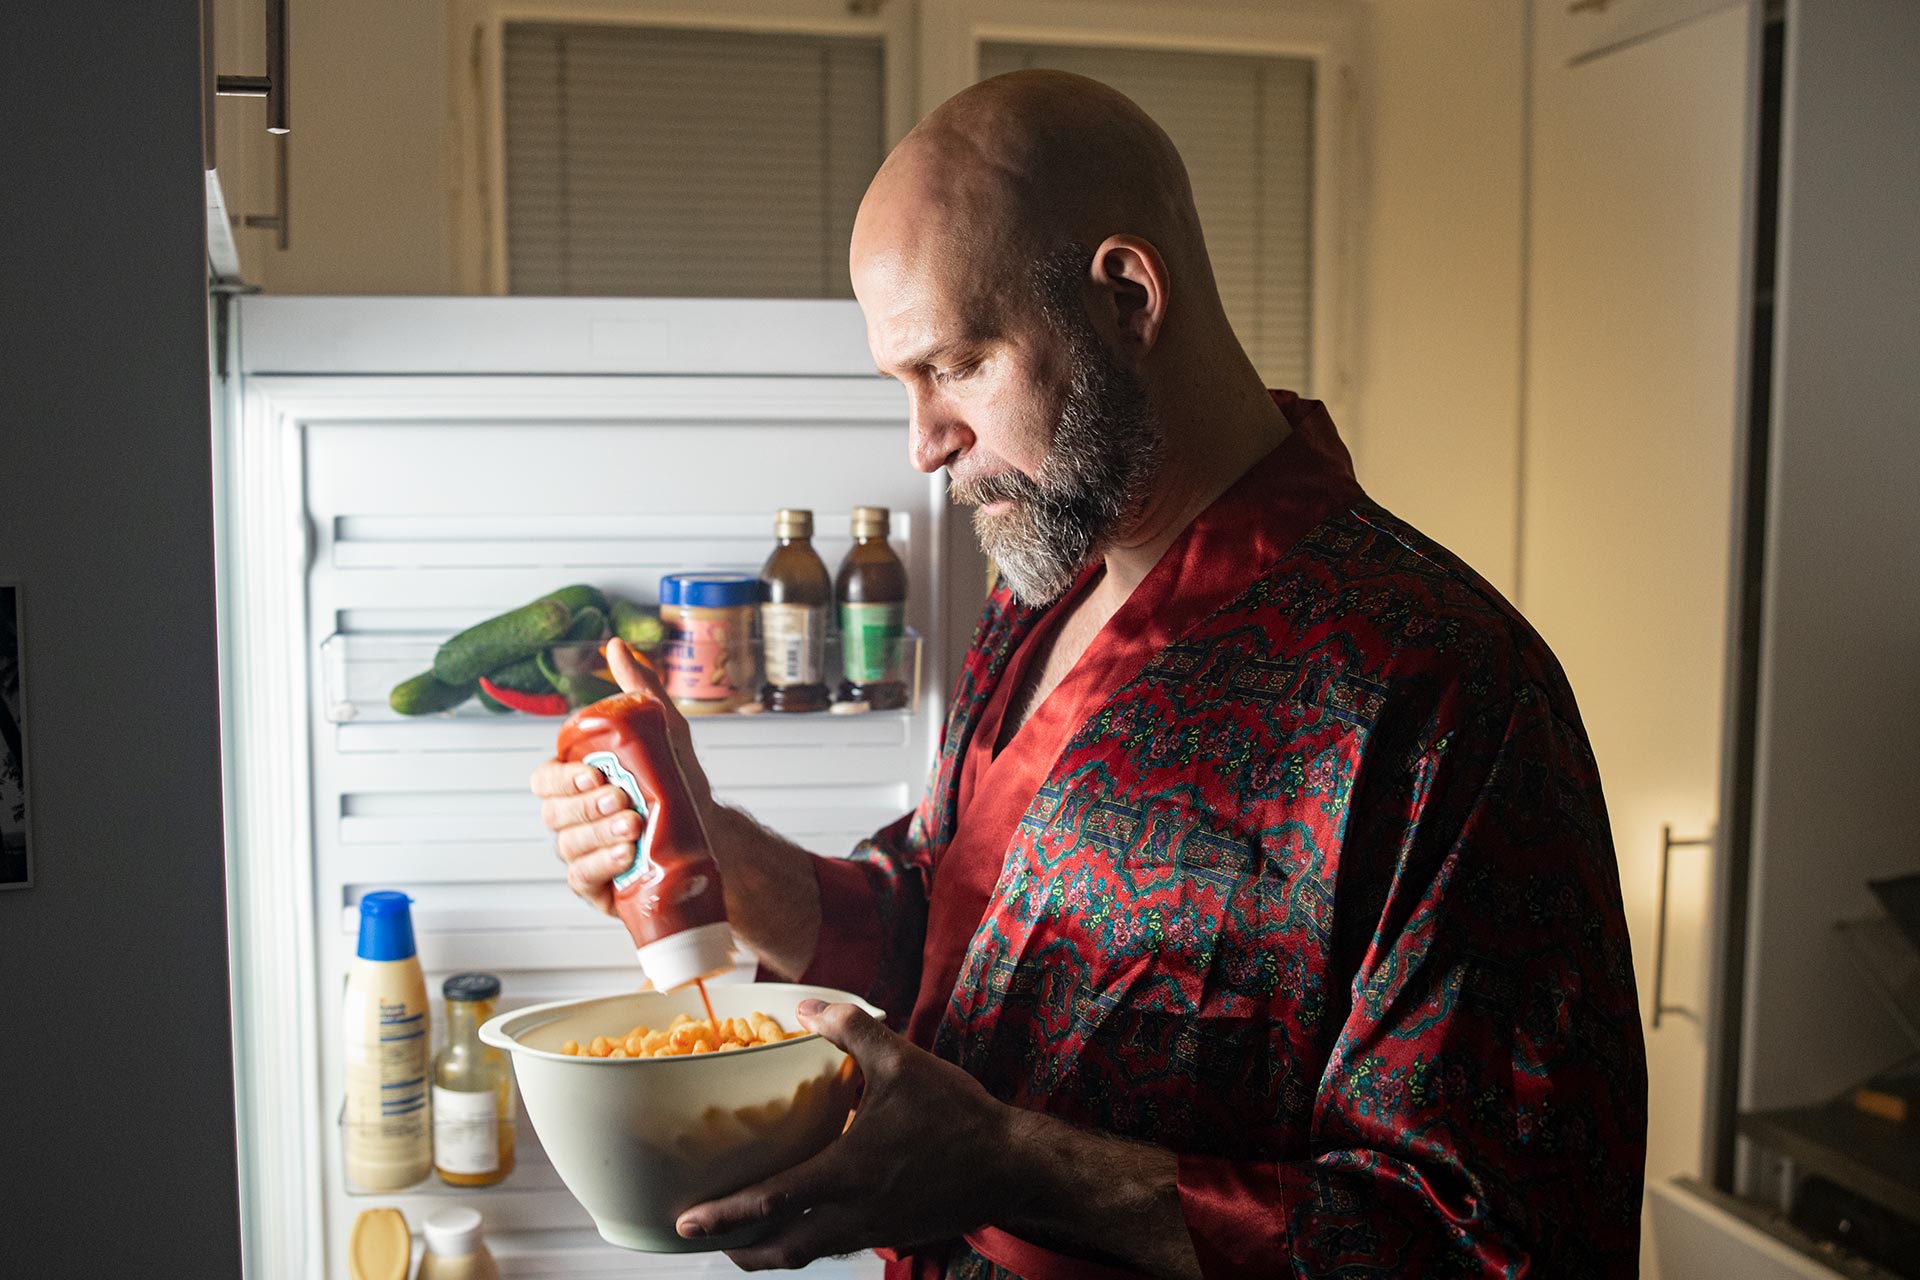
[1055, 656]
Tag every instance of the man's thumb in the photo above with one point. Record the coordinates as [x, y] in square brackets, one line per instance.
[630, 673]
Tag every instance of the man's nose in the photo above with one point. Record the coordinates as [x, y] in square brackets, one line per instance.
[935, 436]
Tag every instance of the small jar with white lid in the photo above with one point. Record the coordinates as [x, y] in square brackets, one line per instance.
[456, 1248]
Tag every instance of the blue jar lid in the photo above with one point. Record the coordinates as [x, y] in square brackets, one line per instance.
[710, 590]
[386, 926]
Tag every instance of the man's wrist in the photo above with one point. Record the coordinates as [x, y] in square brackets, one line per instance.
[1091, 1195]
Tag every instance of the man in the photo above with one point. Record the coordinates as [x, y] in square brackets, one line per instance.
[1261, 915]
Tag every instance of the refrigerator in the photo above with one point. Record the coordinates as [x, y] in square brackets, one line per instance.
[394, 470]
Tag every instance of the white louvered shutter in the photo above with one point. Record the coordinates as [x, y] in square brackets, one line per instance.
[658, 162]
[1244, 126]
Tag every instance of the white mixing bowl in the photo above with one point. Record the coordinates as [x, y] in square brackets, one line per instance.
[640, 1140]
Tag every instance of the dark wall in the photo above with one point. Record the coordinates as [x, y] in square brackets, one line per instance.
[116, 1110]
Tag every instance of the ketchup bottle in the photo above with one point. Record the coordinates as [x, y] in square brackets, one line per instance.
[670, 897]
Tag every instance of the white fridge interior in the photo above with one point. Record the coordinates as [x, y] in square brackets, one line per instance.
[394, 470]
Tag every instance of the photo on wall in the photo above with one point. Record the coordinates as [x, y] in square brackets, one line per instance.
[16, 867]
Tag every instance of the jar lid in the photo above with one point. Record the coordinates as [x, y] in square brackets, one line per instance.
[471, 986]
[793, 522]
[710, 590]
[870, 522]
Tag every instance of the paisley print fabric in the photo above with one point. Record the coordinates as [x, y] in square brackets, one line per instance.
[1315, 889]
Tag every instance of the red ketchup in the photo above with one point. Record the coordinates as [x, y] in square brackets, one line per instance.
[670, 897]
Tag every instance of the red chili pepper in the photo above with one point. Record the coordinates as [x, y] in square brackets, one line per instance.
[533, 704]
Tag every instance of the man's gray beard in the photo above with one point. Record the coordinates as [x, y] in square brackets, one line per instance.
[1091, 485]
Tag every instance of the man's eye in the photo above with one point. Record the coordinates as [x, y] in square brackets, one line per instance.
[953, 375]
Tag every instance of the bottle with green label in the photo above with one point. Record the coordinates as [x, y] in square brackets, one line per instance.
[871, 591]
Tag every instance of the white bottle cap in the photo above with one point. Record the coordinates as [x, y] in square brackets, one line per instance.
[677, 959]
[454, 1233]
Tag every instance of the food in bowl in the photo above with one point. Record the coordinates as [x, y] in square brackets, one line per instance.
[686, 1035]
[640, 1140]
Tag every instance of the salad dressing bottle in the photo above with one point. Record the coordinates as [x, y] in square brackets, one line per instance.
[795, 594]
[472, 1090]
[871, 589]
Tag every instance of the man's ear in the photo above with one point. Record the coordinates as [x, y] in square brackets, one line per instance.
[1130, 287]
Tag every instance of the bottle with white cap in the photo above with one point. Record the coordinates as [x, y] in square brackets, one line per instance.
[456, 1248]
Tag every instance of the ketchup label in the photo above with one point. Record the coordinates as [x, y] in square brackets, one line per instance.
[613, 771]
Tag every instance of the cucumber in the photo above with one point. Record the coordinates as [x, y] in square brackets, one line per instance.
[580, 596]
[588, 625]
[523, 676]
[425, 694]
[640, 628]
[499, 641]
[494, 704]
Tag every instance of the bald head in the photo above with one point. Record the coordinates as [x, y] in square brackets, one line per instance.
[1031, 269]
[1017, 169]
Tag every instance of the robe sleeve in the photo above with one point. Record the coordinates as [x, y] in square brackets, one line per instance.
[873, 917]
[1483, 1111]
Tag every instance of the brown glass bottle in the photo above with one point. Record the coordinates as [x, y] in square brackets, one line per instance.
[871, 591]
[795, 594]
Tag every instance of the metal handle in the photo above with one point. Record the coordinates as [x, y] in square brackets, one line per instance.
[277, 221]
[273, 85]
[1667, 845]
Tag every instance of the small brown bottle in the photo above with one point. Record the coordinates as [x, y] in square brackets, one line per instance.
[871, 590]
[795, 594]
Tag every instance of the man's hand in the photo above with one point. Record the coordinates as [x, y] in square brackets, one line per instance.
[922, 1161]
[773, 900]
[597, 829]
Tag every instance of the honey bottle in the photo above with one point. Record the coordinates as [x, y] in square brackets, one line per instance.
[871, 591]
[795, 594]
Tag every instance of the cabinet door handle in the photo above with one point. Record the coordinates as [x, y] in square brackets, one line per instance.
[1668, 843]
[273, 85]
[277, 221]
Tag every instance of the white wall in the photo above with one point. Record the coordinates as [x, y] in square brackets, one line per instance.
[116, 1112]
[1440, 314]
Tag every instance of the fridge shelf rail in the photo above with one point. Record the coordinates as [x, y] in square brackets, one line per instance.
[358, 670]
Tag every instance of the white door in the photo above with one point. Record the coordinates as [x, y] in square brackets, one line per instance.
[1633, 378]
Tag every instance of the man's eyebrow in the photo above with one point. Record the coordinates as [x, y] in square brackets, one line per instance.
[922, 359]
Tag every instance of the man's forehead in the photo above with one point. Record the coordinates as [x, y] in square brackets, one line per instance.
[918, 305]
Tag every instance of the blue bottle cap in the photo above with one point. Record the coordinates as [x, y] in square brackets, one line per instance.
[710, 590]
[386, 926]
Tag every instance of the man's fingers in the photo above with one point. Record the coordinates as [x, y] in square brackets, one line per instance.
[577, 841]
[557, 778]
[830, 1230]
[561, 812]
[786, 1195]
[590, 875]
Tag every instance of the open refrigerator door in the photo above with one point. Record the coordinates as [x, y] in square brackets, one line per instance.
[397, 470]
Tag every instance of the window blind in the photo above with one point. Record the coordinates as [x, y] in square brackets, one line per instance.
[1244, 126]
[656, 162]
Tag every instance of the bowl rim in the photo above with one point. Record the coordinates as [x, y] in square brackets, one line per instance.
[497, 1033]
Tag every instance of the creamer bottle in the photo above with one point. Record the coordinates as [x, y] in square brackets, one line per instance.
[386, 1133]
[455, 1248]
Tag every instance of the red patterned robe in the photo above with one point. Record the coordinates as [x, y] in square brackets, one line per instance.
[1303, 873]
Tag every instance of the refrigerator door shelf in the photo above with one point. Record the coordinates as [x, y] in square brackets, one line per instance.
[359, 670]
